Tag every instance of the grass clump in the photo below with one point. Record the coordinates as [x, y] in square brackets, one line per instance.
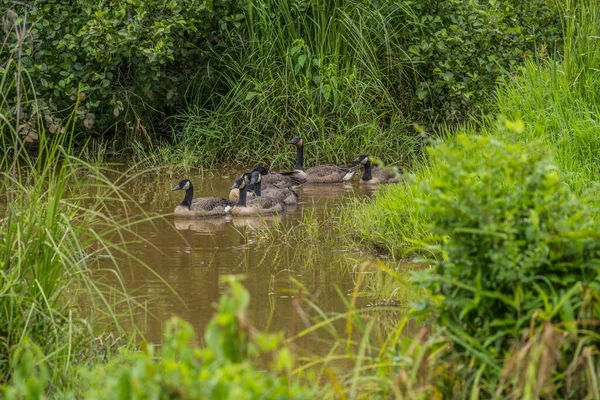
[53, 232]
[551, 101]
[520, 254]
[558, 99]
[514, 300]
[227, 368]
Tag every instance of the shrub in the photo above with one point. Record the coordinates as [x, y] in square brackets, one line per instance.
[130, 58]
[520, 249]
[228, 368]
[460, 48]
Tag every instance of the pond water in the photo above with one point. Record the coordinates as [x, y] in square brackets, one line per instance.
[186, 258]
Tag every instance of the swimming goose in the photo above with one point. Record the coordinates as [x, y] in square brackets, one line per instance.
[320, 173]
[200, 207]
[374, 175]
[288, 196]
[278, 180]
[257, 205]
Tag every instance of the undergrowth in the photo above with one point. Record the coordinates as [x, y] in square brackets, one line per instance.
[552, 101]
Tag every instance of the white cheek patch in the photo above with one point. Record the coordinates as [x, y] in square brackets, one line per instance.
[186, 186]
[366, 160]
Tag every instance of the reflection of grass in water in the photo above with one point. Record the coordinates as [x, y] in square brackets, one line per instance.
[317, 242]
[55, 231]
[368, 346]
[316, 228]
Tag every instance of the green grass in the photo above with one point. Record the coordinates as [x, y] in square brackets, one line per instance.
[53, 229]
[320, 73]
[553, 101]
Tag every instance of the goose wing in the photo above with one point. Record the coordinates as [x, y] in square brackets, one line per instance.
[277, 180]
[210, 203]
[329, 173]
[385, 175]
[288, 196]
[267, 203]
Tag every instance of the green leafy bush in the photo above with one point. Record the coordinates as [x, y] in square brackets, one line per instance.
[520, 249]
[460, 48]
[130, 58]
[228, 368]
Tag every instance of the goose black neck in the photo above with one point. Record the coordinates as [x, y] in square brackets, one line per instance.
[257, 189]
[189, 195]
[300, 157]
[367, 172]
[242, 200]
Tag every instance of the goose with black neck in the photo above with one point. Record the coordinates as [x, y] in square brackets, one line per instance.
[373, 175]
[256, 205]
[200, 207]
[320, 173]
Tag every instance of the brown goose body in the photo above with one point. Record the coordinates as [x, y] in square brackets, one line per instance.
[272, 180]
[281, 181]
[326, 174]
[260, 205]
[200, 207]
[287, 196]
[380, 176]
[330, 174]
[256, 205]
[373, 175]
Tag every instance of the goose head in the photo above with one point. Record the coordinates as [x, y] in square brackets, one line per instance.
[238, 183]
[184, 184]
[363, 159]
[296, 141]
[256, 177]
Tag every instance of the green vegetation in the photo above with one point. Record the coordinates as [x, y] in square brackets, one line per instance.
[225, 369]
[552, 102]
[193, 80]
[53, 230]
[519, 253]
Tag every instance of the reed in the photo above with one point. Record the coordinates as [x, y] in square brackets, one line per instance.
[53, 230]
[324, 72]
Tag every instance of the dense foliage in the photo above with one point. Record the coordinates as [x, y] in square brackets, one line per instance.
[520, 247]
[132, 59]
[460, 48]
[225, 369]
[355, 70]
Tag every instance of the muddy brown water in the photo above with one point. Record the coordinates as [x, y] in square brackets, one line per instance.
[186, 258]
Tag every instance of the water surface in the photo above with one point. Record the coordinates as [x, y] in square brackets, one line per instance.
[190, 255]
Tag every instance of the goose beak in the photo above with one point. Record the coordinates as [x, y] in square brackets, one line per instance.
[357, 159]
[234, 186]
[176, 188]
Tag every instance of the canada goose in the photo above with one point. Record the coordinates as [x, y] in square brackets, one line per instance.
[375, 175]
[278, 180]
[245, 207]
[288, 196]
[320, 173]
[200, 207]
